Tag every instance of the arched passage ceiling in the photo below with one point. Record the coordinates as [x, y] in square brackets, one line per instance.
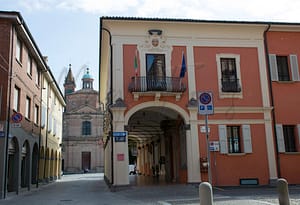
[147, 123]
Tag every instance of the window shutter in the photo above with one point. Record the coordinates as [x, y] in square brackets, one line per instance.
[294, 67]
[43, 116]
[280, 138]
[247, 138]
[49, 123]
[298, 128]
[273, 67]
[223, 139]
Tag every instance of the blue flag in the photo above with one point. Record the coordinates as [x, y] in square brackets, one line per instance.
[183, 67]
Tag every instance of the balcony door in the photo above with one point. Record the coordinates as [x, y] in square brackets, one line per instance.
[156, 72]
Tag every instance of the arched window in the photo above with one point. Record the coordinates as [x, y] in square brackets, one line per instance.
[86, 128]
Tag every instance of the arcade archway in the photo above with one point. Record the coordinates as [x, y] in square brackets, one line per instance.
[157, 144]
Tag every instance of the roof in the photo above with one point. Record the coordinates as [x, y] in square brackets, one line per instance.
[119, 18]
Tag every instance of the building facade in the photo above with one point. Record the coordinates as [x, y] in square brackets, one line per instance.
[83, 119]
[157, 75]
[24, 75]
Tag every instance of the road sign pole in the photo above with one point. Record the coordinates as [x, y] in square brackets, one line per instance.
[208, 151]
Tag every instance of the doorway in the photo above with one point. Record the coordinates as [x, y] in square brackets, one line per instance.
[86, 161]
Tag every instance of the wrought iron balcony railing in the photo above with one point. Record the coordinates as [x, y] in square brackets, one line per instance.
[164, 84]
[230, 85]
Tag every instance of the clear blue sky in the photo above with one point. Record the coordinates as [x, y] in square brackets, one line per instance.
[67, 31]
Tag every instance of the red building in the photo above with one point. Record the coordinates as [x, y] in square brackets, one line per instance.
[150, 99]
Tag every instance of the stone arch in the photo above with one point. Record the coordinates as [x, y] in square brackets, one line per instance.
[25, 164]
[51, 165]
[34, 165]
[41, 163]
[13, 165]
[169, 105]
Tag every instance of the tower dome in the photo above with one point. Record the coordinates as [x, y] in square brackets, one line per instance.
[87, 80]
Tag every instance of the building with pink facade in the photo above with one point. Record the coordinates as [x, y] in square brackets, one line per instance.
[152, 72]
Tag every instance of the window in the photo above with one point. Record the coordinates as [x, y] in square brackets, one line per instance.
[17, 93]
[230, 82]
[28, 105]
[37, 76]
[19, 50]
[29, 65]
[86, 128]
[156, 72]
[228, 67]
[284, 68]
[36, 114]
[286, 138]
[235, 139]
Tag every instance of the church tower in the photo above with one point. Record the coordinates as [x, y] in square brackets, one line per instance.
[87, 80]
[69, 84]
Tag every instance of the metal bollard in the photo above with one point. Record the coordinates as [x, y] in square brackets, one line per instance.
[205, 193]
[283, 192]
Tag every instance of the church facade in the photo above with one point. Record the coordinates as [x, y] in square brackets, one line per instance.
[82, 133]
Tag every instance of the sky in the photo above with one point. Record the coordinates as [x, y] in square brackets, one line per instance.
[67, 31]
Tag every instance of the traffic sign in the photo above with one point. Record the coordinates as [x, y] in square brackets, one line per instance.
[17, 117]
[205, 103]
[120, 136]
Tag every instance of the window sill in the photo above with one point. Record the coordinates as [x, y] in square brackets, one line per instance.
[236, 154]
[291, 153]
[19, 62]
[29, 75]
[231, 95]
[286, 82]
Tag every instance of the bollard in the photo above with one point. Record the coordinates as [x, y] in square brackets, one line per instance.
[283, 192]
[206, 195]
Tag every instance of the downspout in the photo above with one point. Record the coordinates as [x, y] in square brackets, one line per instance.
[111, 95]
[8, 111]
[272, 99]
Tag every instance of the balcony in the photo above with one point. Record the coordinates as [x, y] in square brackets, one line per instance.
[231, 85]
[156, 86]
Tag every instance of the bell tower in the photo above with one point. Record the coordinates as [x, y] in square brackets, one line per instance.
[69, 84]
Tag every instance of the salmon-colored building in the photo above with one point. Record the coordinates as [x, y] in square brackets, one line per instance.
[162, 80]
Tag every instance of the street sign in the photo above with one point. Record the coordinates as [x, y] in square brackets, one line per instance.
[120, 136]
[214, 146]
[15, 125]
[17, 117]
[205, 103]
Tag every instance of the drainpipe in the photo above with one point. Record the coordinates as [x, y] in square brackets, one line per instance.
[272, 99]
[8, 112]
[111, 94]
